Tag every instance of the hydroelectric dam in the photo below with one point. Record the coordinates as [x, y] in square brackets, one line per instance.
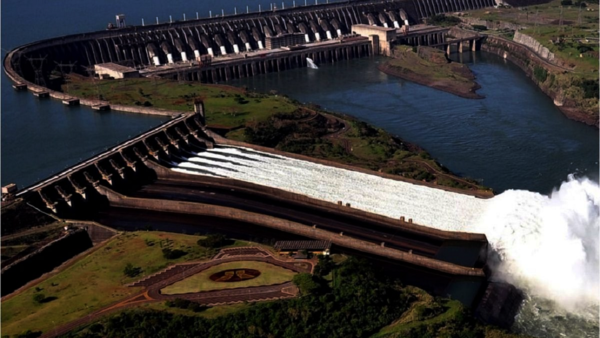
[181, 176]
[222, 48]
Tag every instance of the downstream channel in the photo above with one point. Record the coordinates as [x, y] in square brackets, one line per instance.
[515, 138]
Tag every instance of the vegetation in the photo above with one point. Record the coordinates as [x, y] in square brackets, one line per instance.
[306, 283]
[569, 29]
[540, 73]
[443, 20]
[359, 306]
[431, 67]
[185, 304]
[95, 280]
[213, 241]
[269, 275]
[131, 271]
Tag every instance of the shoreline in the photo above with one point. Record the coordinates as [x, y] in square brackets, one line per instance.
[522, 56]
[432, 68]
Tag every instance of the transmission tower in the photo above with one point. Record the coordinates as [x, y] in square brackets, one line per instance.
[92, 73]
[560, 20]
[38, 64]
[62, 67]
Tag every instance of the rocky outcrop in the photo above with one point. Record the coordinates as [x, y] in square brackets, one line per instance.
[534, 45]
[500, 304]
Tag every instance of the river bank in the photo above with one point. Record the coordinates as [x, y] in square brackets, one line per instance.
[430, 67]
[565, 90]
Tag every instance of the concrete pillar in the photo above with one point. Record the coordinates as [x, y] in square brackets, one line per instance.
[460, 47]
[306, 38]
[170, 58]
[210, 52]
[339, 32]
[317, 37]
[236, 49]
[329, 35]
[396, 24]
[156, 60]
[183, 57]
[448, 49]
[223, 50]
[260, 45]
[197, 55]
[248, 47]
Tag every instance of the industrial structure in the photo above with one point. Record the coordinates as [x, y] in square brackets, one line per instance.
[239, 45]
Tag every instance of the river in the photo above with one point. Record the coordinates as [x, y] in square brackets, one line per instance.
[515, 138]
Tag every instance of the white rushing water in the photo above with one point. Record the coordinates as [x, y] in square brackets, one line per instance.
[311, 64]
[548, 245]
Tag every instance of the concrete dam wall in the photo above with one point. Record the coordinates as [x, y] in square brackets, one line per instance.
[163, 44]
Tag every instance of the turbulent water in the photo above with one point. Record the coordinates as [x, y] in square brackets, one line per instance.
[547, 245]
[311, 64]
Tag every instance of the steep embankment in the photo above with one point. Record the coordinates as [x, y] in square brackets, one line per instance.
[573, 95]
[430, 67]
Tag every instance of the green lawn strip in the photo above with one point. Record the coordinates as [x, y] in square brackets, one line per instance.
[212, 312]
[453, 307]
[269, 275]
[94, 281]
[226, 106]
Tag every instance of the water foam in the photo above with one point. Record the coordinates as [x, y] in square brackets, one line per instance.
[548, 244]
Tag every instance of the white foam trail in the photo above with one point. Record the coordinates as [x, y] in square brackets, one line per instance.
[311, 64]
[548, 244]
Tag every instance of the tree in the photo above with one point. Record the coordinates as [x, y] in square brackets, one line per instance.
[306, 283]
[213, 241]
[173, 254]
[131, 271]
[39, 298]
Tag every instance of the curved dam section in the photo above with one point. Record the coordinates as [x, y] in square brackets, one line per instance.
[152, 46]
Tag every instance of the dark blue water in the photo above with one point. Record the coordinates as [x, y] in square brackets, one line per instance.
[40, 138]
[515, 138]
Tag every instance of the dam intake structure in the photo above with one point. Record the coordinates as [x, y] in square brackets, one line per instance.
[223, 48]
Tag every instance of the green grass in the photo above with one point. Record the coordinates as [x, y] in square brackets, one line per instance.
[542, 23]
[411, 318]
[94, 281]
[226, 106]
[269, 275]
[212, 312]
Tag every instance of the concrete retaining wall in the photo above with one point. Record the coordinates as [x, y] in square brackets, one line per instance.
[43, 260]
[119, 200]
[534, 44]
[165, 173]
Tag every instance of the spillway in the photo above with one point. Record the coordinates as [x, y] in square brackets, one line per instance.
[426, 206]
[548, 245]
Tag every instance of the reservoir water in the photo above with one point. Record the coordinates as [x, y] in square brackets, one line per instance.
[513, 139]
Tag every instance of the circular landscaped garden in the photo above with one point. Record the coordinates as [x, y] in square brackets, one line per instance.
[231, 275]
